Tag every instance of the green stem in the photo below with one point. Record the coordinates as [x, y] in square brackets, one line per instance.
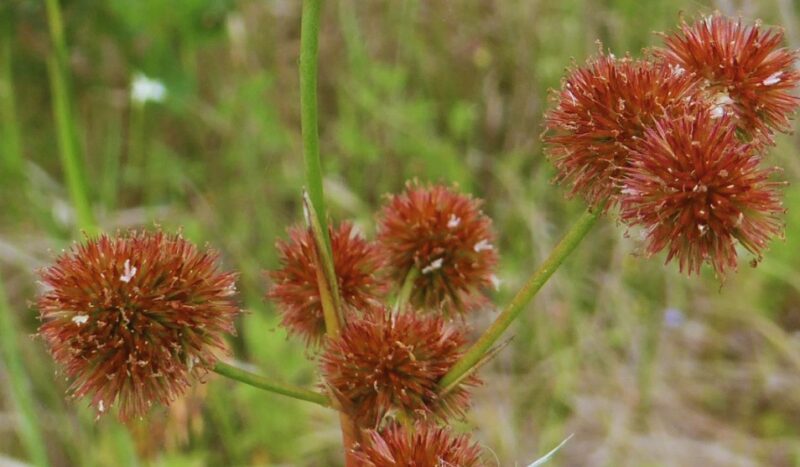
[20, 389]
[309, 46]
[309, 50]
[10, 133]
[315, 202]
[406, 289]
[266, 384]
[564, 248]
[69, 149]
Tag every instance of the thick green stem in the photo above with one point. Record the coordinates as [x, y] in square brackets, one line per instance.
[19, 385]
[266, 384]
[314, 198]
[309, 44]
[69, 149]
[484, 344]
[309, 48]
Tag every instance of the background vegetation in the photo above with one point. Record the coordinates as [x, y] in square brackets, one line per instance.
[645, 366]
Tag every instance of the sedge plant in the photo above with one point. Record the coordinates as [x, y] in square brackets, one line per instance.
[674, 145]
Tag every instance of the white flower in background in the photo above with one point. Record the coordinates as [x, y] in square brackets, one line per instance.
[144, 89]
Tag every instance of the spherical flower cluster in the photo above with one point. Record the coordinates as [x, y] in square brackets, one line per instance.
[744, 69]
[424, 445]
[697, 189]
[387, 361]
[295, 288]
[677, 140]
[132, 318]
[601, 108]
[447, 239]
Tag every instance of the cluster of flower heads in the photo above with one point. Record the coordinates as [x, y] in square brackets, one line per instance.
[135, 317]
[402, 297]
[678, 140]
[431, 235]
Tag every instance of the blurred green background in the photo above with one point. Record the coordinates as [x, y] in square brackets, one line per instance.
[645, 366]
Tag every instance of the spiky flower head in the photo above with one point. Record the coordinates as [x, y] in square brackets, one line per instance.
[601, 108]
[387, 361]
[697, 190]
[446, 237]
[133, 318]
[425, 445]
[295, 288]
[743, 68]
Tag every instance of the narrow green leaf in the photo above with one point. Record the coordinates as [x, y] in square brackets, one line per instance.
[542, 460]
[21, 393]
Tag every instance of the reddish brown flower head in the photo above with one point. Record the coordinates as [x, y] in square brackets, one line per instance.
[744, 68]
[447, 238]
[132, 318]
[601, 108]
[295, 290]
[388, 361]
[697, 189]
[425, 445]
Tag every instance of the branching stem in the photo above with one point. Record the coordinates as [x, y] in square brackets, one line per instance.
[262, 382]
[490, 337]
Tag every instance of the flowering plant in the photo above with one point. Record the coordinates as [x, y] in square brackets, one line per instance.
[674, 144]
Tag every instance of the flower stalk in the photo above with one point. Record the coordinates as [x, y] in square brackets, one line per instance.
[489, 338]
[262, 382]
[309, 47]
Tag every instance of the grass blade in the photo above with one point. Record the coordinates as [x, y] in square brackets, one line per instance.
[68, 146]
[542, 460]
[20, 386]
